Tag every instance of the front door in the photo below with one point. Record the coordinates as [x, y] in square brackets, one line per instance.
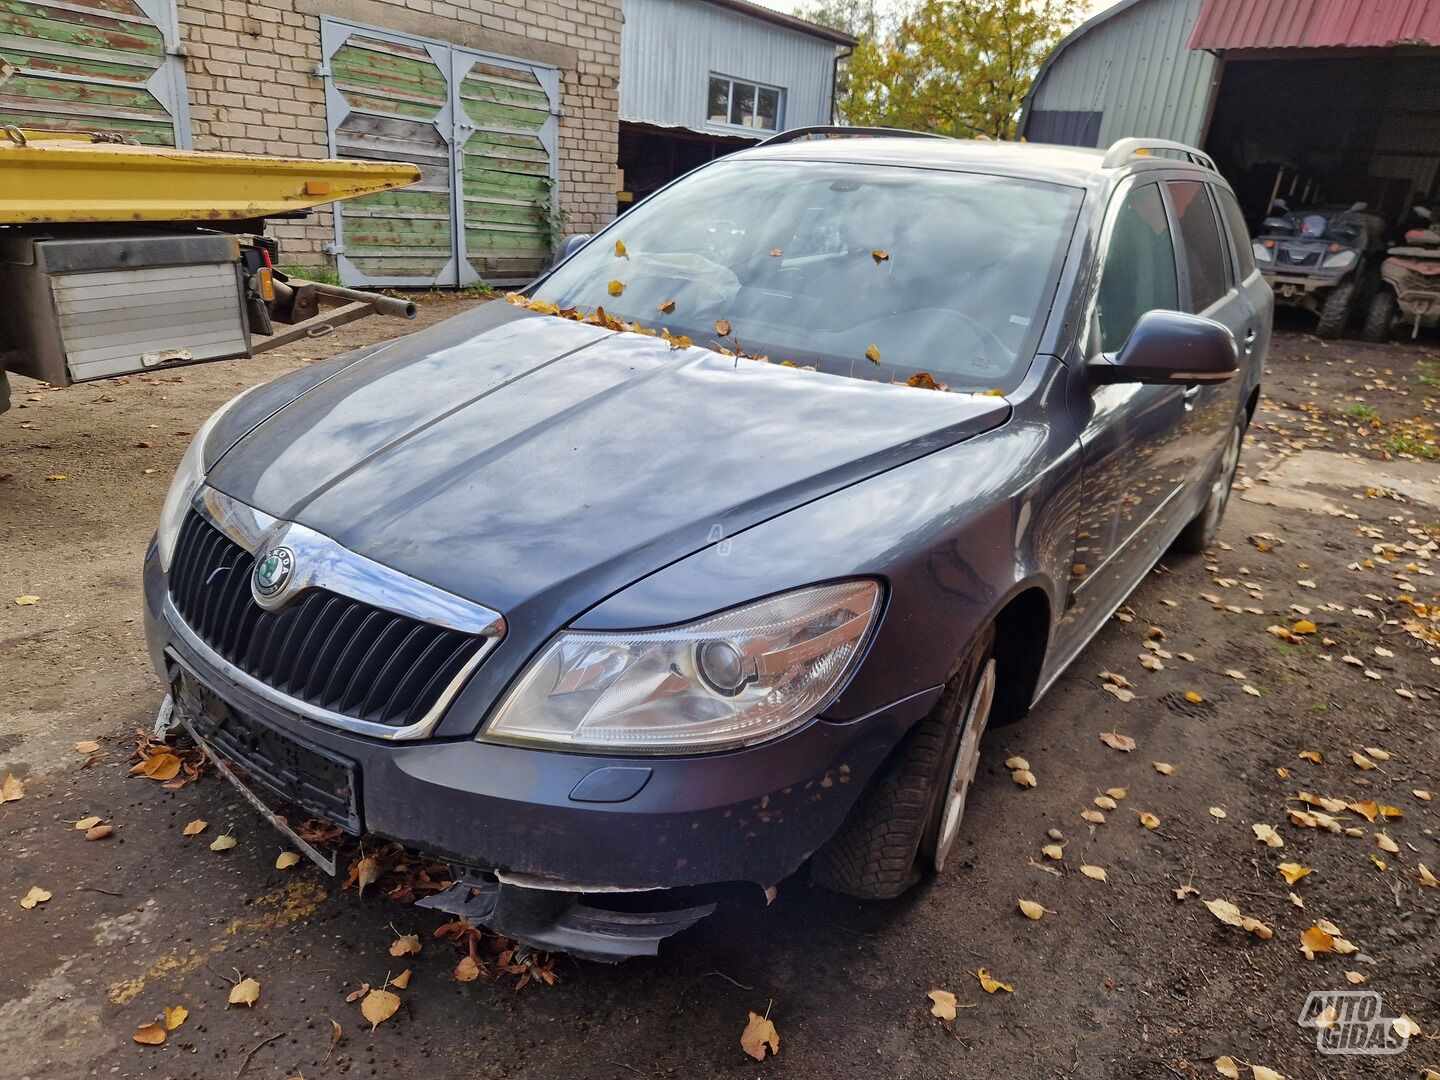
[1134, 452]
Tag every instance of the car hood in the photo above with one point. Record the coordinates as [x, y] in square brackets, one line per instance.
[505, 455]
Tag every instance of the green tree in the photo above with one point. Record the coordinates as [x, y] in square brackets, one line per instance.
[957, 67]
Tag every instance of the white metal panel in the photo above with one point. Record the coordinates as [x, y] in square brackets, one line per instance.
[669, 48]
[1136, 69]
[135, 320]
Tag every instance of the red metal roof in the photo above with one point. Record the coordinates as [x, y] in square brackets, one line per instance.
[1315, 24]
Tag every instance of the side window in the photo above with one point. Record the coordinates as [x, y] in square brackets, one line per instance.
[1244, 253]
[1200, 234]
[1139, 271]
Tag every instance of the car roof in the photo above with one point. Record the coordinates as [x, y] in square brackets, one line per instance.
[1075, 165]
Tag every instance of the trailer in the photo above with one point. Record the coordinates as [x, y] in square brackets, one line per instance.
[117, 258]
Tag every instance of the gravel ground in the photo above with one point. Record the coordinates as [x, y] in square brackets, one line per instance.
[1118, 979]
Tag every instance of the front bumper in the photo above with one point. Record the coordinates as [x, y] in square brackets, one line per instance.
[581, 823]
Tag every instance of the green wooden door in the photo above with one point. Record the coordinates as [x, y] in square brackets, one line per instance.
[106, 66]
[505, 123]
[482, 130]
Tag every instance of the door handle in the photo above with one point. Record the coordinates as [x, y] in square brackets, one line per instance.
[1250, 336]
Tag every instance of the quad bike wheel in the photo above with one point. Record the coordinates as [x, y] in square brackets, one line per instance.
[1380, 316]
[1336, 311]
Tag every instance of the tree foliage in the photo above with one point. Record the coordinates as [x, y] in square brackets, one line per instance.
[957, 67]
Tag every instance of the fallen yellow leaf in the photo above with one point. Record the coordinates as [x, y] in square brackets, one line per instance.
[759, 1035]
[1116, 741]
[1226, 1066]
[162, 766]
[27, 600]
[1094, 873]
[1312, 756]
[175, 1016]
[1164, 768]
[223, 843]
[36, 895]
[1268, 835]
[87, 746]
[620, 252]
[149, 1035]
[722, 327]
[872, 353]
[1386, 844]
[1149, 820]
[87, 823]
[378, 1006]
[615, 288]
[245, 992]
[405, 945]
[467, 970]
[12, 789]
[286, 859]
[1292, 872]
[942, 1004]
[196, 827]
[99, 832]
[1053, 851]
[1194, 698]
[1024, 777]
[1427, 878]
[402, 981]
[1030, 909]
[990, 984]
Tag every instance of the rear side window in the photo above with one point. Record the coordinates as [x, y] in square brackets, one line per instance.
[1200, 234]
[1244, 254]
[1139, 271]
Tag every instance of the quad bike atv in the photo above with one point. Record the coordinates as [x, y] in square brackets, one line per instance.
[1316, 259]
[1409, 282]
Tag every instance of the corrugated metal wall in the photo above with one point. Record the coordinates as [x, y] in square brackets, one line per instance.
[1136, 70]
[669, 48]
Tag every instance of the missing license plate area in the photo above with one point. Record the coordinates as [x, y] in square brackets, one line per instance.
[283, 772]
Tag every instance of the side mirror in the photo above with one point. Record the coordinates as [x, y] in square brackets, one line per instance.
[573, 244]
[1169, 348]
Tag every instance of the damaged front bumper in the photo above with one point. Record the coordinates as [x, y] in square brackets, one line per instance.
[545, 843]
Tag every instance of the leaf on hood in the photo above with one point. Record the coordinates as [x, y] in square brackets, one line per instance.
[942, 1004]
[620, 252]
[1292, 872]
[1116, 741]
[87, 746]
[722, 327]
[245, 992]
[405, 945]
[175, 1016]
[665, 307]
[1094, 873]
[615, 288]
[36, 895]
[990, 984]
[1030, 909]
[378, 1006]
[880, 255]
[1164, 768]
[872, 353]
[1268, 835]
[759, 1035]
[286, 859]
[12, 788]
[196, 827]
[149, 1035]
[223, 842]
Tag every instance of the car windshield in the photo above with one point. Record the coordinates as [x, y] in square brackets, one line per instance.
[872, 271]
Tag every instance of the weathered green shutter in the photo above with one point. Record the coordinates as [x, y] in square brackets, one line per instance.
[505, 150]
[481, 128]
[93, 65]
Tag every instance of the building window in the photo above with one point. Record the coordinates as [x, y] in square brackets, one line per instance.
[734, 103]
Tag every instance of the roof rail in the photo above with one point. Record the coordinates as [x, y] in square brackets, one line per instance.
[839, 131]
[1123, 150]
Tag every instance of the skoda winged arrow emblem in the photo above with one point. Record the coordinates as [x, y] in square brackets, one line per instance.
[272, 573]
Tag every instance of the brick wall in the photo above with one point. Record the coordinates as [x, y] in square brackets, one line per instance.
[249, 73]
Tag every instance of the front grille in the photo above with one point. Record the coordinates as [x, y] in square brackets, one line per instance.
[327, 650]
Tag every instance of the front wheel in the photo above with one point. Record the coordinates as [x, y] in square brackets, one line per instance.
[1380, 316]
[1336, 311]
[908, 818]
[1199, 534]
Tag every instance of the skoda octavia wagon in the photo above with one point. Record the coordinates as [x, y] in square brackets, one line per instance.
[715, 552]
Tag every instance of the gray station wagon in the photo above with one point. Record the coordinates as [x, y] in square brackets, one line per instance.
[715, 552]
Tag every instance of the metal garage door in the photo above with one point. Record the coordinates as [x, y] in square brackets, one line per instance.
[482, 129]
[94, 65]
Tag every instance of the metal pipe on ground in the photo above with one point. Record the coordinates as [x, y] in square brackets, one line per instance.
[383, 305]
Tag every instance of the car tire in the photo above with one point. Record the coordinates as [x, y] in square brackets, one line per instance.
[1379, 316]
[906, 820]
[1200, 533]
[1336, 311]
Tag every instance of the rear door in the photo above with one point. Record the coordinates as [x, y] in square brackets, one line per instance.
[1209, 288]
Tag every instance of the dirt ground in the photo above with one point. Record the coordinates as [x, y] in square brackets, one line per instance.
[1118, 979]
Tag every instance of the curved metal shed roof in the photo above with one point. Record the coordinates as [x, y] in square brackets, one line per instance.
[1315, 24]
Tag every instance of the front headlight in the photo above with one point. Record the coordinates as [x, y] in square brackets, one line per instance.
[1339, 261]
[733, 679]
[188, 478]
[1262, 253]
